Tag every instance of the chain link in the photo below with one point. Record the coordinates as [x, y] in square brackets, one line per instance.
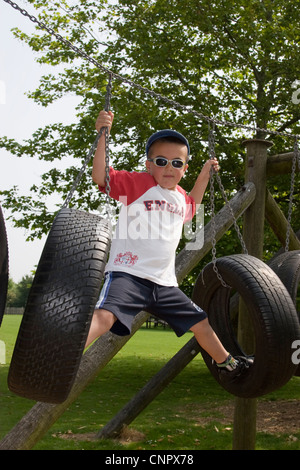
[212, 154]
[290, 210]
[107, 177]
[213, 174]
[237, 228]
[79, 176]
[92, 152]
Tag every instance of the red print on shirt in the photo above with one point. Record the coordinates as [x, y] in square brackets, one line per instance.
[127, 259]
[156, 205]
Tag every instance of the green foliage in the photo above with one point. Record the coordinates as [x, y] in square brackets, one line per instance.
[17, 293]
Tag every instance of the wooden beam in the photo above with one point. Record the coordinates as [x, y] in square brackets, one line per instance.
[32, 427]
[280, 164]
[150, 391]
[187, 259]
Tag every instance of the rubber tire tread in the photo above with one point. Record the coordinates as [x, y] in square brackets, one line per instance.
[273, 315]
[3, 265]
[60, 306]
[287, 268]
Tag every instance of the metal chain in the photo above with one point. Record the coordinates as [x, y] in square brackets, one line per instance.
[237, 228]
[107, 177]
[290, 210]
[298, 154]
[79, 176]
[92, 152]
[213, 174]
[152, 93]
[212, 154]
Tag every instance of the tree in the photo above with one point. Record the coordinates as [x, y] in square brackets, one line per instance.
[18, 292]
[233, 60]
[11, 293]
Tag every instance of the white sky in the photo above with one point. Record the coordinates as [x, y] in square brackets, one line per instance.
[19, 118]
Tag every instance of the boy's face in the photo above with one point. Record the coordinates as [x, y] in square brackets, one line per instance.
[167, 177]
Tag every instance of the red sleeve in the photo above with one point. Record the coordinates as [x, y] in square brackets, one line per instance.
[190, 205]
[130, 184]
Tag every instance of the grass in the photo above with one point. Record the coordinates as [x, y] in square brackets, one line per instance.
[187, 415]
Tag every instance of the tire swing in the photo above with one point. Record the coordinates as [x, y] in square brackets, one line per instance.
[268, 302]
[61, 302]
[270, 307]
[287, 268]
[3, 266]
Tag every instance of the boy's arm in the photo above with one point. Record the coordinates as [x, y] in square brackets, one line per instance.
[199, 188]
[105, 119]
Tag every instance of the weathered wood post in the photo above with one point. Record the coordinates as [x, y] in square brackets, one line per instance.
[244, 432]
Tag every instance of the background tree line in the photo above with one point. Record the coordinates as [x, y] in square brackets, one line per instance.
[18, 291]
[233, 60]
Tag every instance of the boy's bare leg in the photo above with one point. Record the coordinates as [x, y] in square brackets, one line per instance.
[209, 341]
[102, 322]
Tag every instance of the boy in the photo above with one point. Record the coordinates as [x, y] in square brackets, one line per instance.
[140, 274]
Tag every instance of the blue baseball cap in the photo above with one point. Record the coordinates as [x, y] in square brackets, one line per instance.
[166, 133]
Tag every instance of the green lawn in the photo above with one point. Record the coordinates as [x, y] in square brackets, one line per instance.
[192, 413]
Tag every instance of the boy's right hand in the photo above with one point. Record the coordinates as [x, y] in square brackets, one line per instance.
[105, 119]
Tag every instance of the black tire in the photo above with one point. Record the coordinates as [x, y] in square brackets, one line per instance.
[60, 306]
[287, 268]
[3, 266]
[273, 315]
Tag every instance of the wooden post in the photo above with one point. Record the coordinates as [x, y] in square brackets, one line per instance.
[244, 432]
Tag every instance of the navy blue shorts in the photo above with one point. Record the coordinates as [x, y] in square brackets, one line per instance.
[125, 296]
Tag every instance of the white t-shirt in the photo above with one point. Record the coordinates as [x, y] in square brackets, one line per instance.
[149, 226]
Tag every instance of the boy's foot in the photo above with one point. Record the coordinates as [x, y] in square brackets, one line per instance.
[233, 368]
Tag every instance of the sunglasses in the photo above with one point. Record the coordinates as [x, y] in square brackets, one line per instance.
[162, 161]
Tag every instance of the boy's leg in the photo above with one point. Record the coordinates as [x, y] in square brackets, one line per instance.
[209, 341]
[102, 322]
[229, 367]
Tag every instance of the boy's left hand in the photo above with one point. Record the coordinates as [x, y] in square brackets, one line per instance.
[203, 179]
[213, 163]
